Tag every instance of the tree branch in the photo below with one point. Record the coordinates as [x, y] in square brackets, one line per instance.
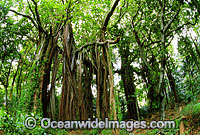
[99, 43]
[26, 16]
[105, 24]
[153, 42]
[29, 37]
[38, 16]
[170, 22]
[196, 46]
[143, 57]
[31, 9]
[136, 14]
[169, 42]
[178, 28]
[59, 29]
[121, 14]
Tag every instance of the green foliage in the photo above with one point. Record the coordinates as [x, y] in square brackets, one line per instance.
[91, 132]
[187, 73]
[144, 111]
[153, 132]
[192, 109]
[118, 107]
[14, 123]
[107, 131]
[20, 44]
[162, 131]
[123, 132]
[2, 94]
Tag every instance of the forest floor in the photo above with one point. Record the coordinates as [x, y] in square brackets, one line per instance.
[187, 124]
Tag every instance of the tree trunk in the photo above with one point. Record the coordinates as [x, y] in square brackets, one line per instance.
[162, 69]
[88, 97]
[52, 105]
[69, 99]
[129, 86]
[172, 84]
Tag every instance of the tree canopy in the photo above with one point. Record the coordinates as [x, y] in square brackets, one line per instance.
[116, 59]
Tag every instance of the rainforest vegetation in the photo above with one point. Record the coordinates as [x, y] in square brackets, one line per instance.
[135, 60]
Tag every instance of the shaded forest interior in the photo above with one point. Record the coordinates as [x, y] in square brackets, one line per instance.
[116, 59]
